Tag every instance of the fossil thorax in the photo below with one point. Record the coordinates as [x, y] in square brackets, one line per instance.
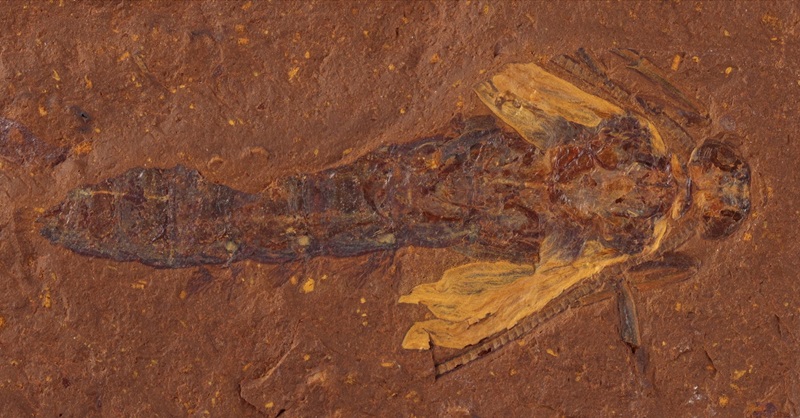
[611, 181]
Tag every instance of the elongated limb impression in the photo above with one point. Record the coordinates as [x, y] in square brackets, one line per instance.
[643, 66]
[570, 298]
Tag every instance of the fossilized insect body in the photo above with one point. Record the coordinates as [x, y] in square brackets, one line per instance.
[485, 192]
[578, 195]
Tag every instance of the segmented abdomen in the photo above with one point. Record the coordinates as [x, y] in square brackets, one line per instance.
[466, 192]
[160, 217]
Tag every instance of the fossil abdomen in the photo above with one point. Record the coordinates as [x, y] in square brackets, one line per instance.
[485, 192]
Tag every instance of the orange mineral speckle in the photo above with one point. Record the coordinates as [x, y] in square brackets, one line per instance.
[293, 73]
[46, 299]
[83, 148]
[676, 62]
[308, 286]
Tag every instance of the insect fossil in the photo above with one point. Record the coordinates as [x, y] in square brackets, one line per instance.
[583, 197]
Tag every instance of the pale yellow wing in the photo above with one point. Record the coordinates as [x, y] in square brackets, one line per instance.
[474, 301]
[535, 103]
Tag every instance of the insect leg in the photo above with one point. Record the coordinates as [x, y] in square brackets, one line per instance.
[670, 268]
[629, 326]
[590, 73]
[630, 332]
[569, 299]
[647, 69]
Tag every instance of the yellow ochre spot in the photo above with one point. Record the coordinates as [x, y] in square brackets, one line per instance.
[46, 299]
[83, 148]
[231, 246]
[56, 76]
[551, 352]
[723, 401]
[308, 286]
[269, 405]
[676, 62]
[42, 111]
[386, 239]
[303, 241]
[293, 72]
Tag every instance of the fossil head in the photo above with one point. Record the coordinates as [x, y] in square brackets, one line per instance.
[720, 187]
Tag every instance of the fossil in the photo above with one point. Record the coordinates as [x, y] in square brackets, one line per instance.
[576, 197]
